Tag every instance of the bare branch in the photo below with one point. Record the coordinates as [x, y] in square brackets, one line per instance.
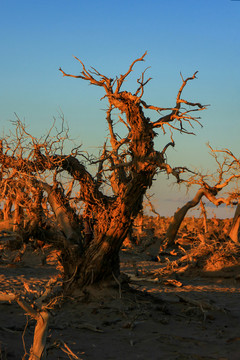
[123, 77]
[176, 113]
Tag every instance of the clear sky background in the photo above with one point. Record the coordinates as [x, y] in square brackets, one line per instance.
[37, 37]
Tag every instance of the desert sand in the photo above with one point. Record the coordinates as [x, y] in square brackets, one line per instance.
[174, 310]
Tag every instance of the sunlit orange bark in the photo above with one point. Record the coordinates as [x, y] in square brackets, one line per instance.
[180, 214]
[7, 208]
[234, 232]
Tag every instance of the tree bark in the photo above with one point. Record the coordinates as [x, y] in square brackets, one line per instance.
[100, 260]
[7, 208]
[204, 214]
[7, 225]
[38, 349]
[210, 193]
[179, 217]
[234, 231]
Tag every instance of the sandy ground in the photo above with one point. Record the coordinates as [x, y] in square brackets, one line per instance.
[189, 317]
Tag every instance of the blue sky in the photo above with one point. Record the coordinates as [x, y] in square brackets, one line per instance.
[37, 37]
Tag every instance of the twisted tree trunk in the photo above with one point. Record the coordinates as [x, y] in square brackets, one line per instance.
[127, 167]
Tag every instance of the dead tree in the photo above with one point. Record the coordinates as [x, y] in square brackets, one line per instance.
[127, 166]
[204, 214]
[234, 231]
[227, 172]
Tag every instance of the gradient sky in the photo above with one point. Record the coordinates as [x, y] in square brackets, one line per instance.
[37, 37]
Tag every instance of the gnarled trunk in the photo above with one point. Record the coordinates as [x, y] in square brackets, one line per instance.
[64, 215]
[128, 165]
[100, 258]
